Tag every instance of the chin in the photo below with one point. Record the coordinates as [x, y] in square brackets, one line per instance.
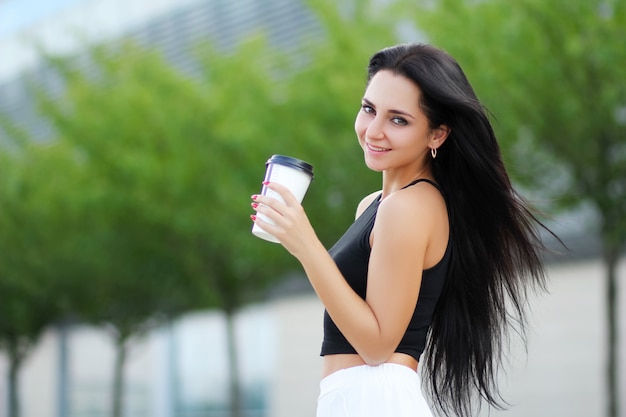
[373, 165]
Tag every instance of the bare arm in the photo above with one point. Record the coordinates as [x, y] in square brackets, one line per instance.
[374, 326]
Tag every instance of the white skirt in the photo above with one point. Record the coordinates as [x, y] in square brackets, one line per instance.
[386, 390]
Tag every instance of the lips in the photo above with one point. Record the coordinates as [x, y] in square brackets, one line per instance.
[376, 148]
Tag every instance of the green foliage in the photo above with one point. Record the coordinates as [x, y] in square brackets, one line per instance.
[552, 74]
[34, 222]
[25, 308]
[142, 198]
[34, 291]
[123, 155]
[138, 208]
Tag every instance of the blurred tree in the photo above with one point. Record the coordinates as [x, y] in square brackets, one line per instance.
[168, 164]
[141, 133]
[553, 72]
[20, 326]
[34, 292]
[241, 105]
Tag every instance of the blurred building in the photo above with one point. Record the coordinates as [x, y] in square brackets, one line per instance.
[172, 26]
[180, 371]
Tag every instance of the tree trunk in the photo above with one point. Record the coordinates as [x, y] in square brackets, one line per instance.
[15, 360]
[63, 378]
[118, 376]
[233, 366]
[612, 364]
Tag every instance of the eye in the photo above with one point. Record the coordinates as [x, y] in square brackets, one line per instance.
[368, 109]
[400, 121]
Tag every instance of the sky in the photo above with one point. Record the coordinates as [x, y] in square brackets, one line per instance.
[60, 26]
[18, 14]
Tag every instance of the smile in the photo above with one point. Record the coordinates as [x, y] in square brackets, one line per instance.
[376, 148]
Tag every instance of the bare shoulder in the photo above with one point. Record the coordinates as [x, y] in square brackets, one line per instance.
[421, 205]
[365, 202]
[422, 196]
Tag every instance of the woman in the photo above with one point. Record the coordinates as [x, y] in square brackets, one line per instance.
[439, 254]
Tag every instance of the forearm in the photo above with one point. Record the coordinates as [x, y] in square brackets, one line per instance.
[353, 316]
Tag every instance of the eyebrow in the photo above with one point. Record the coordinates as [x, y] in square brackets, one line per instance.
[393, 111]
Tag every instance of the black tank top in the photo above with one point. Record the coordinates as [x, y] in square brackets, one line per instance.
[351, 254]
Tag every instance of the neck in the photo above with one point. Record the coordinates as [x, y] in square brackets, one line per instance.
[393, 182]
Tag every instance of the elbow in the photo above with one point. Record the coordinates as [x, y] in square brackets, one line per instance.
[374, 361]
[376, 349]
[375, 357]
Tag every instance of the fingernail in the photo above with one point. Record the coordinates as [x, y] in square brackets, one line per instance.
[253, 217]
[255, 205]
[265, 182]
[254, 197]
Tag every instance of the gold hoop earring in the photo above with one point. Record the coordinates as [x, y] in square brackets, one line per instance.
[433, 152]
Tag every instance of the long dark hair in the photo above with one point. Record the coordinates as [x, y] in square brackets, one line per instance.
[495, 242]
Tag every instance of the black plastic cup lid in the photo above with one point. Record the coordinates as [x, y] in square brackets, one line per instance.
[292, 163]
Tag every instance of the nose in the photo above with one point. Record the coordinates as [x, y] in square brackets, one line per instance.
[375, 129]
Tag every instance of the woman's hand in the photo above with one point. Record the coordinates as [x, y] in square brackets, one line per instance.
[292, 227]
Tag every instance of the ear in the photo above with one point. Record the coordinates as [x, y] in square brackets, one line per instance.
[439, 136]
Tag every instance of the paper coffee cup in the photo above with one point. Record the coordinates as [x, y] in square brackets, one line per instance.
[294, 174]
